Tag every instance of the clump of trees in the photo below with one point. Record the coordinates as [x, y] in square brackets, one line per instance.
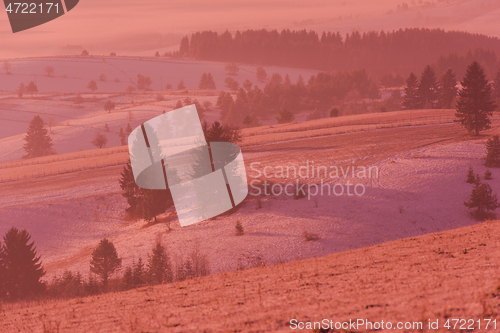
[428, 93]
[207, 82]
[37, 140]
[143, 82]
[493, 152]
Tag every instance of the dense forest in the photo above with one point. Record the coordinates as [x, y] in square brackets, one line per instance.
[399, 52]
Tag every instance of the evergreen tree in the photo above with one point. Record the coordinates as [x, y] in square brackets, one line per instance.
[493, 152]
[239, 228]
[178, 105]
[483, 200]
[219, 133]
[128, 129]
[154, 203]
[3, 273]
[138, 278]
[184, 47]
[210, 82]
[38, 141]
[128, 279]
[448, 89]
[181, 85]
[21, 90]
[203, 81]
[411, 99]
[22, 267]
[261, 74]
[105, 261]
[487, 175]
[470, 176]
[475, 105]
[159, 266]
[496, 88]
[428, 89]
[285, 116]
[122, 136]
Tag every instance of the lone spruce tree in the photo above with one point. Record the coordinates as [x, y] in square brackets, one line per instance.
[38, 141]
[475, 104]
[105, 261]
[21, 266]
[411, 99]
[159, 266]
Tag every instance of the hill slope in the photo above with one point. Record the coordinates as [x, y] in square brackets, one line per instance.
[452, 274]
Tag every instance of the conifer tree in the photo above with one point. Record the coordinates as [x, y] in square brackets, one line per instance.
[122, 136]
[448, 89]
[411, 99]
[159, 266]
[428, 89]
[138, 278]
[470, 176]
[105, 261]
[487, 175]
[496, 88]
[22, 267]
[203, 81]
[493, 152]
[475, 104]
[285, 116]
[38, 141]
[210, 82]
[483, 200]
[3, 273]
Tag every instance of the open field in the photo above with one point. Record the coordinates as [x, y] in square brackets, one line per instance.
[407, 280]
[420, 182]
[406, 123]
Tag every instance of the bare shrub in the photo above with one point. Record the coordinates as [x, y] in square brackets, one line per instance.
[309, 236]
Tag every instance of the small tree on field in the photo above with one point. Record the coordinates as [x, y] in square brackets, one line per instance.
[49, 70]
[105, 261]
[129, 89]
[493, 152]
[285, 116]
[143, 82]
[6, 67]
[487, 175]
[20, 90]
[334, 112]
[106, 127]
[231, 84]
[159, 265]
[178, 105]
[38, 141]
[122, 136]
[92, 85]
[261, 74]
[483, 200]
[475, 104]
[109, 106]
[181, 85]
[85, 53]
[31, 88]
[22, 267]
[103, 77]
[78, 99]
[232, 68]
[100, 140]
[239, 228]
[411, 98]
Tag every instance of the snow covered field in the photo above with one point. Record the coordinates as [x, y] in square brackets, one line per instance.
[418, 191]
